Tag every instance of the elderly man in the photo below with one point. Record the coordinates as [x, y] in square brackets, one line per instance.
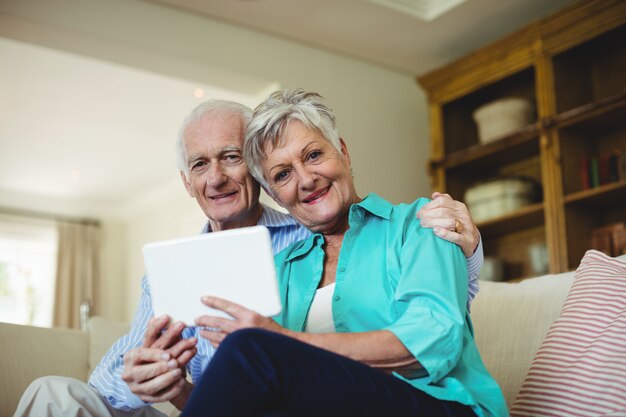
[150, 364]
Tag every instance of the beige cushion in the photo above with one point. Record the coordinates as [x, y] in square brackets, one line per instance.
[102, 334]
[510, 322]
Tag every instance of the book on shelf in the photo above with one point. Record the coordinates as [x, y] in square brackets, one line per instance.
[584, 173]
[594, 178]
[617, 169]
[610, 239]
[606, 168]
[604, 172]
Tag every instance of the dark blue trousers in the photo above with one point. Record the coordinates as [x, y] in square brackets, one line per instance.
[261, 373]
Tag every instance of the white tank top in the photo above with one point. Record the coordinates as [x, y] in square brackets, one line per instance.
[320, 318]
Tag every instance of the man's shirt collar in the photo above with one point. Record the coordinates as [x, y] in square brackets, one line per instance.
[270, 218]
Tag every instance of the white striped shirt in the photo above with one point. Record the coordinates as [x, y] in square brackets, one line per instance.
[107, 376]
[474, 263]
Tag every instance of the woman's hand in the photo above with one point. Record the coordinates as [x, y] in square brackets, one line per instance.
[452, 221]
[380, 349]
[241, 318]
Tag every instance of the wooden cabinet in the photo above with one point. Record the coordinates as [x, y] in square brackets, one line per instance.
[572, 67]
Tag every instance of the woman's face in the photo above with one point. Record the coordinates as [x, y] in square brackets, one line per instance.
[310, 178]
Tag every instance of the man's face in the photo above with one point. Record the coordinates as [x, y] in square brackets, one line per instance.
[217, 176]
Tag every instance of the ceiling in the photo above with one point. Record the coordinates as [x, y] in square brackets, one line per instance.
[91, 126]
[386, 32]
[66, 123]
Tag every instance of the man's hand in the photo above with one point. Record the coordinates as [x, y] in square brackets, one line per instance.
[451, 221]
[241, 318]
[155, 371]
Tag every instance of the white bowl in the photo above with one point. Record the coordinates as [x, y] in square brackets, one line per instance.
[501, 117]
[499, 197]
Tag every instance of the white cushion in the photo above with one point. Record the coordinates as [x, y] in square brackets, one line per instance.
[510, 322]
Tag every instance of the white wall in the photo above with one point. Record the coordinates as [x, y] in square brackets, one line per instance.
[381, 113]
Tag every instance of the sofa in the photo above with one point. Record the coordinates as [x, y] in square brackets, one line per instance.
[510, 322]
[31, 352]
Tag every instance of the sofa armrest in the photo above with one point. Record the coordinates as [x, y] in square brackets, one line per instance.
[102, 334]
[29, 352]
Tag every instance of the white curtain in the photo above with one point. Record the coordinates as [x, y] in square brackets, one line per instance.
[77, 271]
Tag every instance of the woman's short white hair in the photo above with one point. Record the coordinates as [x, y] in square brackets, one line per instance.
[272, 116]
[208, 107]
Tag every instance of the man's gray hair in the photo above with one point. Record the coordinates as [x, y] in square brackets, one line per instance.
[272, 116]
[208, 107]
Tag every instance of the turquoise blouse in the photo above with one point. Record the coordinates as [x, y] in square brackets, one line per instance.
[392, 274]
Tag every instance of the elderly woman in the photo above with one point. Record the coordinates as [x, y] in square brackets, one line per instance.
[374, 318]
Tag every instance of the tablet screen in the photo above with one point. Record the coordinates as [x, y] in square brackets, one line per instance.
[237, 265]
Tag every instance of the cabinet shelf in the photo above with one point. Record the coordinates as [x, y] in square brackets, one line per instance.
[613, 193]
[603, 114]
[523, 218]
[593, 69]
[570, 65]
[522, 143]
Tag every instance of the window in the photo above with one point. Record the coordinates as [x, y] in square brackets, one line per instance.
[28, 250]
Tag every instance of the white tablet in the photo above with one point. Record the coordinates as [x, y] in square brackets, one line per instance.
[237, 265]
